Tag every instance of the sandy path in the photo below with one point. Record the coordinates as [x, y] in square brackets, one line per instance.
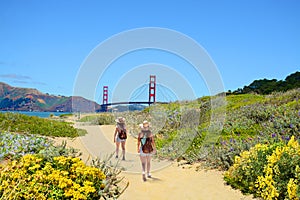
[169, 181]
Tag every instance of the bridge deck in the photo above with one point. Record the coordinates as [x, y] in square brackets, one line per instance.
[131, 102]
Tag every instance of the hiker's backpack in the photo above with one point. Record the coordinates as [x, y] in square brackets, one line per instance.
[147, 144]
[122, 134]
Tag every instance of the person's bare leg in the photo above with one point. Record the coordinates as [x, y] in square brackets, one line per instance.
[143, 161]
[148, 166]
[123, 150]
[117, 149]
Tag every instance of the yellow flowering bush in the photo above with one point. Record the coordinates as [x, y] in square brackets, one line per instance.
[281, 174]
[33, 177]
[248, 166]
[268, 171]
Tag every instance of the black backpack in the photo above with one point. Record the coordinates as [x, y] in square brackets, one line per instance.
[122, 134]
[147, 146]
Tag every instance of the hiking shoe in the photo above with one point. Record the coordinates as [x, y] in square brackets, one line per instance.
[149, 175]
[123, 158]
[144, 177]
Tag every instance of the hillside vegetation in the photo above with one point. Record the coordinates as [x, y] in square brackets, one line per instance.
[250, 119]
[183, 129]
[266, 86]
[49, 171]
[24, 124]
[258, 144]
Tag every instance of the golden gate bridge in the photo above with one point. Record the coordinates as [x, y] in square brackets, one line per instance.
[151, 96]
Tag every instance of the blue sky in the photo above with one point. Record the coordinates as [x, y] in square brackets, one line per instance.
[43, 44]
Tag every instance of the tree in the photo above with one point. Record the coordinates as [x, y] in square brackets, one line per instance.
[265, 86]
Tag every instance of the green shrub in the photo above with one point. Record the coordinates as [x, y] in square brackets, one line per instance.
[252, 124]
[114, 184]
[268, 171]
[88, 118]
[14, 146]
[105, 119]
[15, 122]
[66, 115]
[99, 119]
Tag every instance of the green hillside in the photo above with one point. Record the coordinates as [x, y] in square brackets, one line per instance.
[250, 119]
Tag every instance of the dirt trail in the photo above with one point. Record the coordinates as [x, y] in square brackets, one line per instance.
[169, 181]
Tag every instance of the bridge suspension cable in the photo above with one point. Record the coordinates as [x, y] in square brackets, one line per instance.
[166, 94]
[139, 92]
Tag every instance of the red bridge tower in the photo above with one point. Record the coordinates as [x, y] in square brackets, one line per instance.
[152, 88]
[105, 95]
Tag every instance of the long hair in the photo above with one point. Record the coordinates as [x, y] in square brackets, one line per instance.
[146, 132]
[121, 126]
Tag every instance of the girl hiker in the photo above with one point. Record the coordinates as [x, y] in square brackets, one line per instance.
[120, 136]
[146, 147]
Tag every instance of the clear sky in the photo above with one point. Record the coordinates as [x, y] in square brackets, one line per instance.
[43, 44]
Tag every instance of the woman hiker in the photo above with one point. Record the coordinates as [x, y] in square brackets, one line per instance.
[146, 147]
[120, 136]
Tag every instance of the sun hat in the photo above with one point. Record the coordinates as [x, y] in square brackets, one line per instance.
[146, 124]
[120, 120]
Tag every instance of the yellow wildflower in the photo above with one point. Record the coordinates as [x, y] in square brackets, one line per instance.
[293, 143]
[292, 189]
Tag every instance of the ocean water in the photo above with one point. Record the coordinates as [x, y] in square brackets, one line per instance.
[38, 114]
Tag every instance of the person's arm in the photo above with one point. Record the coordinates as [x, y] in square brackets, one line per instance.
[153, 143]
[138, 143]
[115, 135]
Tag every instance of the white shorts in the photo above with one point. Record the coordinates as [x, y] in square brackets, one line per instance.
[120, 140]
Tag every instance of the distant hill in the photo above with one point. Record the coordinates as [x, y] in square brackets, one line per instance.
[265, 86]
[28, 99]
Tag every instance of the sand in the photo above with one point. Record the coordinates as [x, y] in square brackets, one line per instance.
[169, 182]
